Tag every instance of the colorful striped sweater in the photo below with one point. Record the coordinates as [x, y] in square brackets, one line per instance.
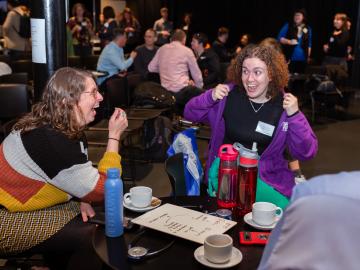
[43, 168]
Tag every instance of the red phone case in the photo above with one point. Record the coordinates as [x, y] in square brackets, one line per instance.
[254, 238]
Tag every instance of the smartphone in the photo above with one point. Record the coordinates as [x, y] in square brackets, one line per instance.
[254, 238]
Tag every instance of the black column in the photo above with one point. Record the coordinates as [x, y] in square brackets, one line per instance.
[356, 64]
[53, 11]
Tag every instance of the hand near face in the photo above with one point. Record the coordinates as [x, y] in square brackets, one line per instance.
[118, 123]
[290, 104]
[220, 91]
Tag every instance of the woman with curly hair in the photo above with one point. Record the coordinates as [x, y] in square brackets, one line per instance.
[47, 183]
[254, 108]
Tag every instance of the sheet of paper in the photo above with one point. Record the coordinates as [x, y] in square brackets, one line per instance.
[185, 223]
[38, 40]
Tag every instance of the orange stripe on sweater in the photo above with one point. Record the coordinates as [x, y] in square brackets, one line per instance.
[17, 185]
[97, 194]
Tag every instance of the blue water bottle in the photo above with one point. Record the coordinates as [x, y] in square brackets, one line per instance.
[114, 204]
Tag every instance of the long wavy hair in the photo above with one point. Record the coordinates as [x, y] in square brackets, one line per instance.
[276, 64]
[57, 105]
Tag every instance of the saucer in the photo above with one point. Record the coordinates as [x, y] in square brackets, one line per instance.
[235, 259]
[140, 209]
[248, 219]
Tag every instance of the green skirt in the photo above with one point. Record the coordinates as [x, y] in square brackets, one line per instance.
[266, 193]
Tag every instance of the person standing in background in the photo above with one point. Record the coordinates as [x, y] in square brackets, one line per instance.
[132, 29]
[187, 28]
[106, 30]
[81, 29]
[219, 45]
[17, 46]
[336, 50]
[163, 27]
[296, 40]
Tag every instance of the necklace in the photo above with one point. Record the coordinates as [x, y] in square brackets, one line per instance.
[258, 109]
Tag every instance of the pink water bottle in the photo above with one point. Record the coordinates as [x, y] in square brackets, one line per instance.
[228, 177]
[247, 177]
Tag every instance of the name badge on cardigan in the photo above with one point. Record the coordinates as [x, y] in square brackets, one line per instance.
[265, 128]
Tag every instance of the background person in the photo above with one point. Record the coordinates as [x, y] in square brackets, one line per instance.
[256, 109]
[336, 49]
[81, 29]
[45, 173]
[107, 27]
[145, 53]
[175, 63]
[17, 46]
[132, 29]
[296, 39]
[207, 60]
[163, 27]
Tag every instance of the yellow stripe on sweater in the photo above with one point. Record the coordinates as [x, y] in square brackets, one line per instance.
[110, 160]
[47, 196]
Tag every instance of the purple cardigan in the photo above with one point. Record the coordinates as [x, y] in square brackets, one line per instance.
[293, 132]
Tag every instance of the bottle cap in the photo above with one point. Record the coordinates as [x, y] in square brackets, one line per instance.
[113, 173]
[227, 152]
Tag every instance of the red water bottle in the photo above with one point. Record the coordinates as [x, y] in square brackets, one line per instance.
[247, 177]
[228, 179]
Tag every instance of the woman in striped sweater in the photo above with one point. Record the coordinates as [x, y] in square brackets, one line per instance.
[47, 184]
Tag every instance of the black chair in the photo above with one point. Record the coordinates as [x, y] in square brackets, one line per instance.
[21, 66]
[21, 78]
[174, 167]
[223, 71]
[90, 62]
[14, 102]
[75, 61]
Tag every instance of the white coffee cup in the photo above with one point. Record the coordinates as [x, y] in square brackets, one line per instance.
[218, 248]
[139, 196]
[265, 213]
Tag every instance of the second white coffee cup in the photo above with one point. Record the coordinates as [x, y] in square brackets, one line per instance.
[139, 196]
[265, 213]
[218, 248]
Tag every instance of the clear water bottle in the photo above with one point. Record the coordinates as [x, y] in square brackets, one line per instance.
[114, 204]
[228, 178]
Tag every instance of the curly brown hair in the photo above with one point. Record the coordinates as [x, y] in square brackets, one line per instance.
[56, 107]
[275, 62]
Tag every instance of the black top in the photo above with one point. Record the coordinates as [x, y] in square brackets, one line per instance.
[338, 44]
[221, 50]
[241, 120]
[106, 32]
[143, 58]
[60, 152]
[209, 65]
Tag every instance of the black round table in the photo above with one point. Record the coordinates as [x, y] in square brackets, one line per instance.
[113, 251]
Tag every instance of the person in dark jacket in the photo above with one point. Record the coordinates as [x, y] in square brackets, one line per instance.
[336, 49]
[106, 30]
[219, 45]
[296, 40]
[207, 60]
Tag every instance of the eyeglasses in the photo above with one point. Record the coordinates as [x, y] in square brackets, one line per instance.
[94, 92]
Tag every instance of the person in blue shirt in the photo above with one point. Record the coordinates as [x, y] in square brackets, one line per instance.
[296, 40]
[112, 59]
[319, 229]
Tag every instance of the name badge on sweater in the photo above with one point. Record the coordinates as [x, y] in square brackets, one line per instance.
[265, 128]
